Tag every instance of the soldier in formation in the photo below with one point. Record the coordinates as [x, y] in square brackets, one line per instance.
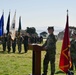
[9, 42]
[50, 47]
[4, 41]
[19, 42]
[73, 51]
[14, 45]
[25, 42]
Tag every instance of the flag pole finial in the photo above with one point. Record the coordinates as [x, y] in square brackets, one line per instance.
[9, 10]
[67, 11]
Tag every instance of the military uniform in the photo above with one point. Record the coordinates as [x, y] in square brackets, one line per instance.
[14, 45]
[50, 46]
[4, 41]
[9, 42]
[19, 42]
[73, 50]
[25, 42]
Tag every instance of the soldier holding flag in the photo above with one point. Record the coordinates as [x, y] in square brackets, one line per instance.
[73, 50]
[9, 42]
[4, 41]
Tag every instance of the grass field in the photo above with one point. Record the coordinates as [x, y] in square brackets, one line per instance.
[21, 64]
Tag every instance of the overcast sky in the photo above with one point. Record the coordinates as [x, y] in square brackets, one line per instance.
[40, 13]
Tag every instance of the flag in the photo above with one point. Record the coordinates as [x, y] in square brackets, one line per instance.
[65, 58]
[8, 24]
[13, 27]
[0, 28]
[2, 24]
[19, 28]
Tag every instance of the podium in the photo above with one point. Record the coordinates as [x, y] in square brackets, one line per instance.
[36, 58]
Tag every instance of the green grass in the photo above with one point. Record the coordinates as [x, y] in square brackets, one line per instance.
[21, 64]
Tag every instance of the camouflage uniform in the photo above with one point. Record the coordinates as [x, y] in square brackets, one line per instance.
[14, 45]
[25, 42]
[9, 42]
[4, 41]
[73, 52]
[50, 45]
[19, 42]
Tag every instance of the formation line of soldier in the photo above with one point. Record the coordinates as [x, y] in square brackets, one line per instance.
[8, 43]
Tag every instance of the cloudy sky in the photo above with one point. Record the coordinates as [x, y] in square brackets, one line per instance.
[40, 13]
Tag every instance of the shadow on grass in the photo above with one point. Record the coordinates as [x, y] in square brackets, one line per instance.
[2, 52]
[6, 52]
[58, 72]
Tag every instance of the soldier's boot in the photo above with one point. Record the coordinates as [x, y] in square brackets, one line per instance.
[52, 73]
[13, 51]
[25, 51]
[44, 74]
[19, 51]
[8, 51]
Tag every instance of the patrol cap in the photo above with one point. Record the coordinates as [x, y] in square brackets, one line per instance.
[50, 28]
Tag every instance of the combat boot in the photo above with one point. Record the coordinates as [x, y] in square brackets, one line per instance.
[44, 74]
[52, 73]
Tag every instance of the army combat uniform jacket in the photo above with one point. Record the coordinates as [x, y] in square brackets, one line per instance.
[73, 50]
[50, 46]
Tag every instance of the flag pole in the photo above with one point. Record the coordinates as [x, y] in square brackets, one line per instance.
[67, 11]
[65, 56]
[71, 64]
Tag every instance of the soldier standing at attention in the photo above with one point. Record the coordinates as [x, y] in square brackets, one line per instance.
[19, 42]
[9, 42]
[14, 44]
[25, 42]
[73, 51]
[50, 47]
[4, 41]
